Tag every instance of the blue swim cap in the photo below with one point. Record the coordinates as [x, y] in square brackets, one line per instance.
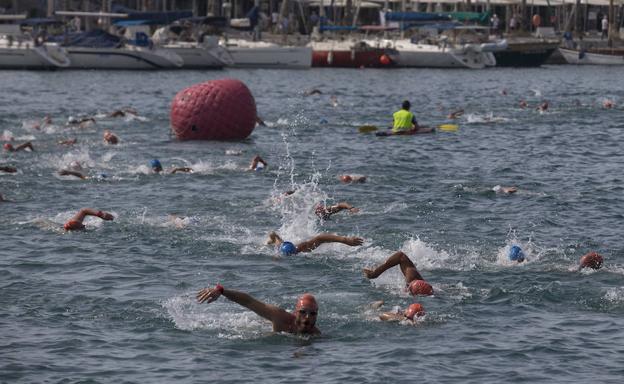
[103, 175]
[155, 163]
[516, 254]
[259, 167]
[287, 248]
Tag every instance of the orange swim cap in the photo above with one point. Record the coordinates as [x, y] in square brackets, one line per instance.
[72, 225]
[414, 310]
[306, 300]
[346, 178]
[420, 287]
[591, 260]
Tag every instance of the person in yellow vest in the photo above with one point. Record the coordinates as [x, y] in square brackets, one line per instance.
[404, 120]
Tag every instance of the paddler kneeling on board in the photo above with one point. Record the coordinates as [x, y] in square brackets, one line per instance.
[404, 120]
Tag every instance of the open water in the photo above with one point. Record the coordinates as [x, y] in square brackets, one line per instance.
[116, 303]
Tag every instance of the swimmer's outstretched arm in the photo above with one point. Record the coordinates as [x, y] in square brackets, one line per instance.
[8, 169]
[398, 258]
[182, 169]
[24, 146]
[84, 212]
[279, 317]
[66, 172]
[340, 207]
[314, 242]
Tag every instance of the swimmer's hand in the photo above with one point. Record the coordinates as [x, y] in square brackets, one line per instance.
[208, 295]
[369, 273]
[354, 210]
[105, 216]
[353, 241]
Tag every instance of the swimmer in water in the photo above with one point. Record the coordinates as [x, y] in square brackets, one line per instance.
[301, 321]
[110, 138]
[3, 200]
[506, 190]
[349, 179]
[74, 169]
[516, 254]
[543, 107]
[324, 212]
[523, 104]
[413, 280]
[259, 121]
[75, 223]
[71, 141]
[8, 169]
[157, 167]
[286, 248]
[257, 164]
[313, 92]
[82, 122]
[455, 114]
[44, 122]
[591, 260]
[608, 104]
[412, 311]
[22, 147]
[69, 172]
[123, 112]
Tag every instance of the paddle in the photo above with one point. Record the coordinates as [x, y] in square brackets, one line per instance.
[441, 127]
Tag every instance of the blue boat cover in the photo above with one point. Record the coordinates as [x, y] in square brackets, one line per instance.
[96, 38]
[416, 16]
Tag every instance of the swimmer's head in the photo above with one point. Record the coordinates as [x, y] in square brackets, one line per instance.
[414, 310]
[591, 260]
[346, 178]
[155, 165]
[406, 104]
[287, 248]
[259, 167]
[306, 311]
[8, 147]
[420, 287]
[516, 254]
[75, 166]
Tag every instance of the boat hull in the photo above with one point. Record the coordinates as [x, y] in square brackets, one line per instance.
[370, 58]
[29, 56]
[270, 57]
[525, 54]
[574, 56]
[122, 58]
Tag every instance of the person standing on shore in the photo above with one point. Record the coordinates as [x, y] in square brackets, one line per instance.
[604, 27]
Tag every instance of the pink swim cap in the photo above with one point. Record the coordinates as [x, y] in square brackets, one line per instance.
[420, 287]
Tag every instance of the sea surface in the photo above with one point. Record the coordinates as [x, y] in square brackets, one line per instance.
[116, 303]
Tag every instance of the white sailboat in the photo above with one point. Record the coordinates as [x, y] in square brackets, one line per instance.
[441, 54]
[262, 54]
[21, 51]
[98, 49]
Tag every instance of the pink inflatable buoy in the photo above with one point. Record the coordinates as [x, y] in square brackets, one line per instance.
[215, 110]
